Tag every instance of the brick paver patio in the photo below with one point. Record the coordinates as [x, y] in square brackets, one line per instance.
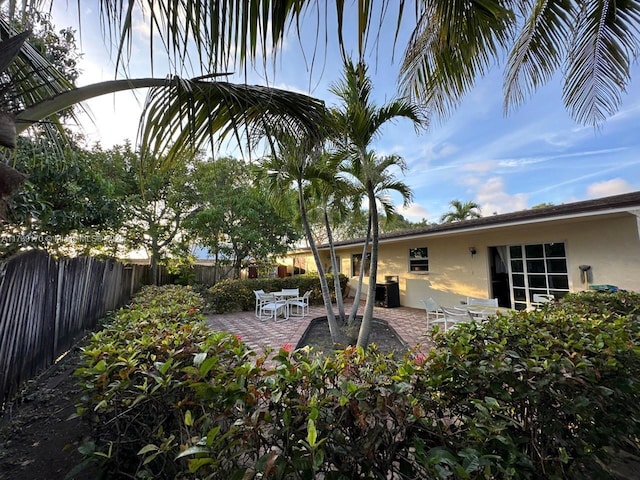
[409, 324]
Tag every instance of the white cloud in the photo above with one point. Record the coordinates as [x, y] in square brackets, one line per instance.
[413, 212]
[615, 186]
[480, 167]
[493, 198]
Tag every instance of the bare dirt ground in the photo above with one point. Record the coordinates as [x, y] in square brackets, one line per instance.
[37, 439]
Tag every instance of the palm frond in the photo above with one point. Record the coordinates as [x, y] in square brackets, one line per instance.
[538, 50]
[606, 42]
[29, 78]
[189, 113]
[454, 43]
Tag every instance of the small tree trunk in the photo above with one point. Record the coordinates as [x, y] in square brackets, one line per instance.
[367, 317]
[358, 294]
[153, 263]
[324, 286]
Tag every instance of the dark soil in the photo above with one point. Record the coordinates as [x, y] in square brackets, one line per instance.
[382, 335]
[37, 439]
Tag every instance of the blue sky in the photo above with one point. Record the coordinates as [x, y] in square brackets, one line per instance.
[534, 155]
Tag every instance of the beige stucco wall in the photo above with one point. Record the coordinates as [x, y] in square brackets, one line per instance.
[610, 244]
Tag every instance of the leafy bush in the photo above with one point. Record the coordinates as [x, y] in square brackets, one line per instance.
[542, 394]
[234, 295]
[545, 394]
[137, 391]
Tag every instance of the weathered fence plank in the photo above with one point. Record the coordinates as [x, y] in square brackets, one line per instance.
[45, 305]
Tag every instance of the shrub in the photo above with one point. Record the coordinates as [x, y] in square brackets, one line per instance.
[544, 394]
[234, 295]
[137, 380]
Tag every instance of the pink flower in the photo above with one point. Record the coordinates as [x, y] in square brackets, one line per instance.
[287, 347]
[239, 338]
[420, 359]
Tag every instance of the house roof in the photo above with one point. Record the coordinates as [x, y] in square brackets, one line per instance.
[600, 206]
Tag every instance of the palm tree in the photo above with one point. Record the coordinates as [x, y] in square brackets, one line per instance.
[296, 162]
[179, 116]
[358, 122]
[461, 211]
[594, 42]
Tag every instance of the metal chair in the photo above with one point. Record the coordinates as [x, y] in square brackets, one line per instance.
[433, 311]
[539, 299]
[300, 305]
[492, 302]
[454, 316]
[270, 307]
[257, 293]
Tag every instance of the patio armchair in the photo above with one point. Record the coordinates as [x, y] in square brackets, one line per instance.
[300, 305]
[433, 311]
[257, 293]
[454, 316]
[269, 307]
[492, 302]
[539, 299]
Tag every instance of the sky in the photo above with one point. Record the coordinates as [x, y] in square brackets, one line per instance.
[536, 154]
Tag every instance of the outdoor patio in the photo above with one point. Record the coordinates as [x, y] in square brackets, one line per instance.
[409, 324]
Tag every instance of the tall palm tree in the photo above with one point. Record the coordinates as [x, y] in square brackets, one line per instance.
[359, 122]
[461, 211]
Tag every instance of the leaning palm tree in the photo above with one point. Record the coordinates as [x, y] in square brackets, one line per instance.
[593, 43]
[461, 211]
[180, 115]
[358, 122]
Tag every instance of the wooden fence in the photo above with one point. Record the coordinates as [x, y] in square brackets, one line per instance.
[46, 304]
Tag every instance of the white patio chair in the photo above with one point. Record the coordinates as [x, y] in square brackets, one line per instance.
[257, 293]
[539, 299]
[270, 307]
[492, 302]
[433, 311]
[300, 305]
[454, 316]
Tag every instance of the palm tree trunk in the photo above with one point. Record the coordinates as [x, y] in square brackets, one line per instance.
[367, 317]
[324, 286]
[335, 268]
[43, 109]
[358, 294]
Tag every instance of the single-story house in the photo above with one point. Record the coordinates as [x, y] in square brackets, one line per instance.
[512, 256]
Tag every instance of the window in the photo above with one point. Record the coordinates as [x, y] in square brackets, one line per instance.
[419, 259]
[356, 261]
[537, 268]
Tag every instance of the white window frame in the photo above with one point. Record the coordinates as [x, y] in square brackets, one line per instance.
[418, 262]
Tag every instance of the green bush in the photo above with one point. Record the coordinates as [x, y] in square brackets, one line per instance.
[543, 394]
[235, 295]
[546, 394]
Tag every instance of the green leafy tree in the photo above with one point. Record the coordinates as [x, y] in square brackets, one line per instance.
[461, 211]
[233, 217]
[66, 206]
